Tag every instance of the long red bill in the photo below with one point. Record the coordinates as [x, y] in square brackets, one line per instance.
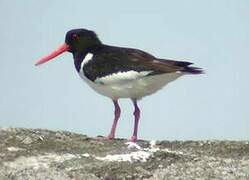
[64, 47]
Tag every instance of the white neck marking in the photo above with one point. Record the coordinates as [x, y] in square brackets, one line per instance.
[88, 57]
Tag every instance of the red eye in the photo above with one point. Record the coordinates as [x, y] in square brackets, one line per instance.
[75, 37]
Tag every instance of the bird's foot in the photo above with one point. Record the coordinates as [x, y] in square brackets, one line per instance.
[110, 137]
[133, 139]
[105, 138]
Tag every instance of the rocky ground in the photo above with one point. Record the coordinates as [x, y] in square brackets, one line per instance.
[41, 154]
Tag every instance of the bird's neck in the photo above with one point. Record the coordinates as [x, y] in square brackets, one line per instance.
[79, 56]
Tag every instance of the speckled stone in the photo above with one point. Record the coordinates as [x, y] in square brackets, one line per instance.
[42, 154]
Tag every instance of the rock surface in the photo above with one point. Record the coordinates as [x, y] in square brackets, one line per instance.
[41, 154]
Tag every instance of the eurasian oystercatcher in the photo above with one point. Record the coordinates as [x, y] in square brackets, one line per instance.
[118, 72]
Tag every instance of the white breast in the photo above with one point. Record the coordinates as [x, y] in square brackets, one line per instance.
[131, 84]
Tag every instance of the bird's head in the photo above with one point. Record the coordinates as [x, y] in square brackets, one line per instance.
[76, 41]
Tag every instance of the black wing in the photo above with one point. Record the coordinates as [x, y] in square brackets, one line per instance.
[111, 60]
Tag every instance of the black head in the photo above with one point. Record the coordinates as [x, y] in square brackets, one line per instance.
[80, 40]
[77, 41]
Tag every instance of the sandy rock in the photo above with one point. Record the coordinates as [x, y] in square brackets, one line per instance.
[41, 154]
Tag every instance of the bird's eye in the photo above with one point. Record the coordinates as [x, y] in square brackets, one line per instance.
[75, 37]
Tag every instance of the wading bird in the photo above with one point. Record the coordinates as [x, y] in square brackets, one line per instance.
[118, 72]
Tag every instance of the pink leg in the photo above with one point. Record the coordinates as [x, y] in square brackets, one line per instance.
[115, 121]
[137, 117]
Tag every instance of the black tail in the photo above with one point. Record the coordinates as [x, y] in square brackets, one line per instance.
[182, 66]
[189, 69]
[193, 70]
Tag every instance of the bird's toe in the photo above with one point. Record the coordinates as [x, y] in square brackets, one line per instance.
[133, 139]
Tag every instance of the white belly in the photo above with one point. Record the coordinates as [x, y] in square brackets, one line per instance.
[134, 89]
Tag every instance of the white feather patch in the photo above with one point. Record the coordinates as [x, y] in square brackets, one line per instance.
[88, 57]
[121, 77]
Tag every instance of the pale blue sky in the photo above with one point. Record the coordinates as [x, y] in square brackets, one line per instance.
[212, 34]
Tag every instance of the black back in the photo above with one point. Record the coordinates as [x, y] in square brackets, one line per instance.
[110, 59]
